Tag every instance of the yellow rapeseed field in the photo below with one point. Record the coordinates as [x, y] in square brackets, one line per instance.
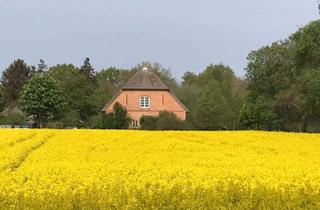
[95, 169]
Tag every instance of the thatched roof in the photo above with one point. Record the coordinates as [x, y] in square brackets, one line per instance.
[145, 80]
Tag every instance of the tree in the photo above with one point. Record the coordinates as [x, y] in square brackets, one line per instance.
[13, 79]
[259, 114]
[88, 71]
[42, 67]
[114, 77]
[188, 93]
[77, 91]
[42, 99]
[306, 44]
[282, 82]
[121, 118]
[189, 78]
[271, 75]
[212, 111]
[309, 95]
[225, 78]
[2, 101]
[223, 75]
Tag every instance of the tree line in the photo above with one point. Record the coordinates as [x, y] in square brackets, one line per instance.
[281, 91]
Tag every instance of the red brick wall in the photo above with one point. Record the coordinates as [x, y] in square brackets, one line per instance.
[159, 101]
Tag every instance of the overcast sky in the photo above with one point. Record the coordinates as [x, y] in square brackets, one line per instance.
[179, 34]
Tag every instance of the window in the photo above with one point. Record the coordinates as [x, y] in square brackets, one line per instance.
[144, 102]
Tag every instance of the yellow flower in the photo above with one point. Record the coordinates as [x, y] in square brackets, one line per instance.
[96, 169]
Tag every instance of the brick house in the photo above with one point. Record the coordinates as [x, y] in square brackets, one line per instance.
[146, 95]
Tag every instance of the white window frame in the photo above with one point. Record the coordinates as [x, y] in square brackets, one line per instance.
[143, 102]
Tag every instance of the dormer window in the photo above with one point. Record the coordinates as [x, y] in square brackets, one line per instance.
[144, 102]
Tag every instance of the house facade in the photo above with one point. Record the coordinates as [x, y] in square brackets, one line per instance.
[146, 95]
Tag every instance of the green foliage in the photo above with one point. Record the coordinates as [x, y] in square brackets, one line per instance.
[259, 114]
[148, 123]
[229, 89]
[270, 75]
[78, 92]
[188, 95]
[102, 121]
[42, 67]
[13, 79]
[2, 102]
[189, 78]
[165, 121]
[283, 83]
[42, 99]
[113, 78]
[13, 118]
[118, 119]
[88, 71]
[168, 121]
[307, 46]
[309, 90]
[212, 111]
[120, 116]
[71, 119]
[223, 75]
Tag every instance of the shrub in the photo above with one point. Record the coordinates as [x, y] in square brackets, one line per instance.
[169, 121]
[148, 123]
[118, 119]
[102, 121]
[13, 118]
[165, 121]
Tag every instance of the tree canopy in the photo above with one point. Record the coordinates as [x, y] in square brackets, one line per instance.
[12, 80]
[42, 99]
[283, 80]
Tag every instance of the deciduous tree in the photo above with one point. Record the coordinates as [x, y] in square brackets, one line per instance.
[212, 111]
[42, 99]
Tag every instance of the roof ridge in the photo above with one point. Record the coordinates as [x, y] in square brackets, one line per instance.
[145, 80]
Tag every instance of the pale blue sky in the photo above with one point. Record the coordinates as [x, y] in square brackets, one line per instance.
[179, 34]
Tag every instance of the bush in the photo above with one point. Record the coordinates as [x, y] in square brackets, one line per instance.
[71, 119]
[13, 118]
[118, 119]
[148, 123]
[102, 121]
[169, 121]
[165, 121]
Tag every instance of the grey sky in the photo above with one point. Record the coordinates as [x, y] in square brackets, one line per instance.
[179, 34]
